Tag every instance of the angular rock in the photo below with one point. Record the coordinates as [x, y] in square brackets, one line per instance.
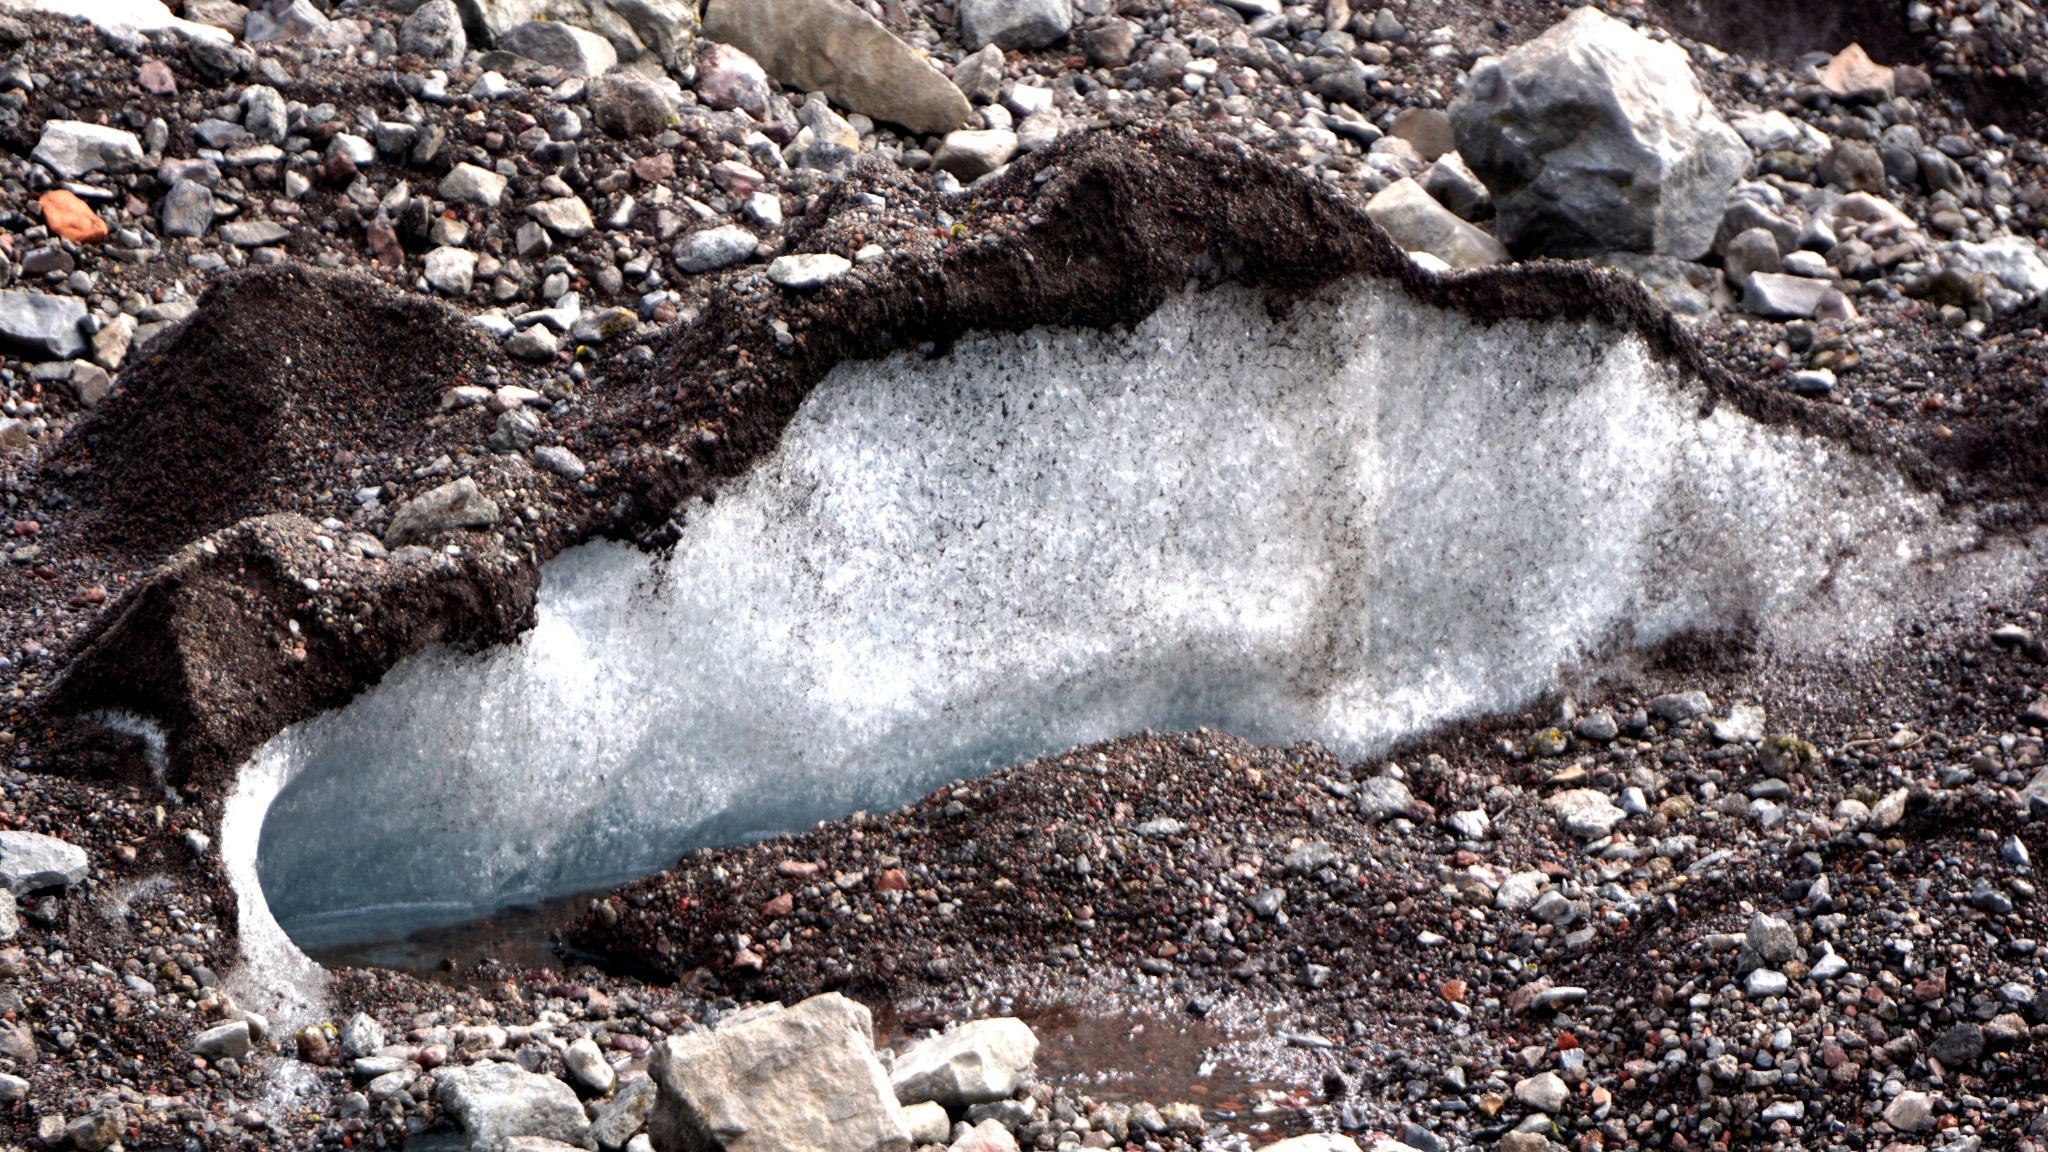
[456, 504]
[264, 114]
[1450, 183]
[1854, 77]
[619, 1119]
[73, 148]
[1596, 139]
[44, 323]
[1014, 24]
[1910, 1112]
[495, 1103]
[927, 1123]
[1585, 813]
[254, 233]
[715, 248]
[987, 1136]
[970, 1063]
[31, 862]
[1771, 939]
[283, 21]
[450, 271]
[826, 141]
[360, 1037]
[1752, 250]
[831, 46]
[970, 154]
[979, 75]
[774, 1079]
[1419, 224]
[586, 1063]
[473, 185]
[1777, 296]
[1383, 798]
[1545, 1091]
[1428, 130]
[536, 344]
[565, 216]
[561, 45]
[435, 34]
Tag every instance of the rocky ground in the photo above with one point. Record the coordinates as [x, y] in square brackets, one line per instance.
[474, 294]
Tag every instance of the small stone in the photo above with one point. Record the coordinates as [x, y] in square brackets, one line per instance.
[1778, 296]
[470, 184]
[1585, 813]
[450, 271]
[294, 20]
[1419, 224]
[1678, 707]
[970, 154]
[1764, 983]
[254, 233]
[566, 216]
[588, 1068]
[1854, 77]
[802, 273]
[456, 504]
[1545, 1092]
[980, 74]
[72, 149]
[1771, 939]
[1383, 798]
[155, 77]
[927, 1123]
[715, 248]
[1961, 1045]
[728, 78]
[560, 461]
[536, 343]
[229, 1039]
[72, 218]
[1911, 1112]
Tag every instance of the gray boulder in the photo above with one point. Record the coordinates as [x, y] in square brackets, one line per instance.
[1594, 138]
[830, 46]
[774, 1079]
[456, 504]
[434, 33]
[663, 29]
[1419, 224]
[1014, 24]
[561, 45]
[971, 1063]
[42, 323]
[73, 148]
[31, 862]
[496, 1103]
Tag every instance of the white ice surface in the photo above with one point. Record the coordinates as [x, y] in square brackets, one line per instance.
[1343, 524]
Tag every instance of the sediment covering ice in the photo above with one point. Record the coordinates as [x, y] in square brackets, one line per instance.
[1343, 524]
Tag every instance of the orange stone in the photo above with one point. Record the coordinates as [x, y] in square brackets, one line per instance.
[72, 218]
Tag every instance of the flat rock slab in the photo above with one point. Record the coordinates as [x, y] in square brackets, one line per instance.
[830, 46]
[31, 862]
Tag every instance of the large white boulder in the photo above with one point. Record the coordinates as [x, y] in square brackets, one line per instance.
[1593, 139]
[774, 1079]
[971, 1063]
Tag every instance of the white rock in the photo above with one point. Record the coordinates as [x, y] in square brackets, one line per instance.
[715, 248]
[1777, 296]
[801, 273]
[972, 153]
[450, 271]
[456, 504]
[497, 1102]
[588, 1067]
[2012, 261]
[927, 1123]
[31, 862]
[1585, 812]
[1519, 891]
[128, 17]
[229, 1039]
[970, 1063]
[566, 216]
[774, 1079]
[1545, 1091]
[73, 148]
[1890, 810]
[1765, 982]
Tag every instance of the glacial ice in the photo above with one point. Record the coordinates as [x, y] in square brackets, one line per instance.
[1343, 521]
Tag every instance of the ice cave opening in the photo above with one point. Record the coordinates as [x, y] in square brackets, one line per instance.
[1341, 520]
